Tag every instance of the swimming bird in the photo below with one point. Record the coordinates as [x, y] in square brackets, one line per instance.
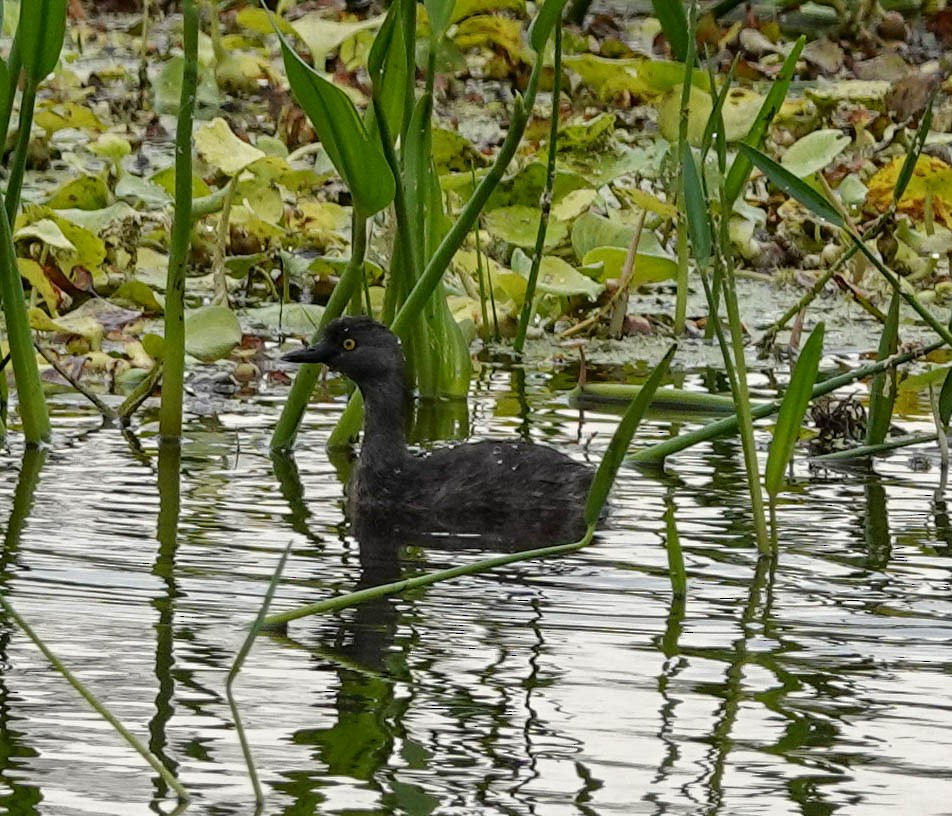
[499, 489]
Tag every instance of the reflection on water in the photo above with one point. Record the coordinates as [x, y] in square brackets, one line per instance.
[815, 684]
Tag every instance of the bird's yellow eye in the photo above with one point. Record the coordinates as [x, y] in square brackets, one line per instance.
[349, 344]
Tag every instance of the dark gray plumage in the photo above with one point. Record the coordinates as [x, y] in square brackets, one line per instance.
[504, 490]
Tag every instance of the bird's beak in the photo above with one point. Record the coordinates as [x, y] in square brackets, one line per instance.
[320, 353]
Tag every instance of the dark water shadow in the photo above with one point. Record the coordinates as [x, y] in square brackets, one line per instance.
[168, 481]
[17, 797]
[369, 647]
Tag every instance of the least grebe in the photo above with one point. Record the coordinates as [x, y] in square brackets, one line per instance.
[500, 489]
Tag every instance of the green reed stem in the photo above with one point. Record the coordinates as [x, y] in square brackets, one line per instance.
[546, 204]
[656, 454]
[31, 401]
[173, 376]
[18, 165]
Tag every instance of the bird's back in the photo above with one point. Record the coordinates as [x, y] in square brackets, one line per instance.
[496, 489]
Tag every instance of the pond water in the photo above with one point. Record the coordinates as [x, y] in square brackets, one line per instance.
[817, 684]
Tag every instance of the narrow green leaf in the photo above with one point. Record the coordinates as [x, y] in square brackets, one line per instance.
[4, 83]
[716, 123]
[32, 403]
[549, 16]
[618, 447]
[359, 160]
[915, 149]
[740, 169]
[792, 186]
[440, 13]
[672, 541]
[695, 206]
[945, 400]
[417, 167]
[792, 409]
[867, 451]
[674, 25]
[239, 661]
[40, 34]
[882, 389]
[387, 66]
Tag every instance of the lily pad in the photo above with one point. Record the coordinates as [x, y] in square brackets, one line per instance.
[300, 319]
[739, 112]
[222, 149]
[60, 116]
[591, 230]
[608, 77]
[558, 277]
[814, 152]
[168, 87]
[142, 192]
[36, 275]
[114, 217]
[519, 225]
[871, 92]
[931, 182]
[139, 294]
[609, 263]
[154, 345]
[323, 36]
[453, 152]
[579, 136]
[211, 333]
[83, 193]
[72, 324]
[47, 232]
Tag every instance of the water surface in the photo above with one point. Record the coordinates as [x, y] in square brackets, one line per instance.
[816, 684]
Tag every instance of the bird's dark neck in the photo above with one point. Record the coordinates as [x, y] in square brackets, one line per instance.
[384, 446]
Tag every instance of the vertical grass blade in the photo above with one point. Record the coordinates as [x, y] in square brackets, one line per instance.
[173, 375]
[10, 76]
[945, 400]
[40, 33]
[695, 207]
[451, 242]
[549, 16]
[529, 298]
[672, 542]
[792, 409]
[31, 401]
[389, 75]
[239, 661]
[440, 14]
[915, 149]
[39, 37]
[882, 388]
[674, 26]
[745, 415]
[793, 186]
[740, 169]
